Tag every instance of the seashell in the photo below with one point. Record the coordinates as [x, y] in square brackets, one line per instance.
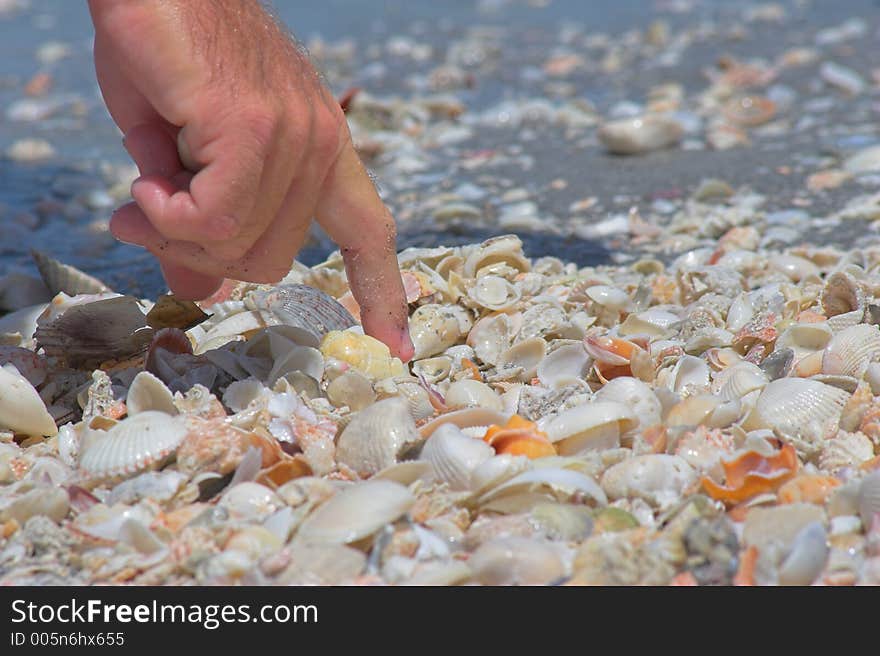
[593, 426]
[366, 354]
[479, 418]
[516, 561]
[490, 337]
[468, 393]
[796, 268]
[752, 473]
[523, 357]
[21, 408]
[22, 322]
[636, 395]
[689, 376]
[18, 291]
[807, 488]
[850, 351]
[453, 456]
[494, 293]
[377, 437]
[351, 389]
[633, 136]
[609, 297]
[842, 295]
[563, 366]
[138, 443]
[122, 332]
[519, 437]
[505, 250]
[60, 277]
[421, 399]
[305, 308]
[653, 322]
[495, 470]
[738, 381]
[869, 498]
[872, 377]
[703, 409]
[778, 364]
[807, 558]
[749, 110]
[707, 338]
[250, 502]
[239, 395]
[434, 328]
[563, 521]
[800, 409]
[51, 502]
[355, 513]
[324, 564]
[147, 392]
[659, 479]
[522, 491]
[778, 526]
[405, 473]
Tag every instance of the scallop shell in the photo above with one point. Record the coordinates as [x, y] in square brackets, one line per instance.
[593, 426]
[739, 380]
[65, 278]
[851, 350]
[453, 456]
[147, 392]
[21, 408]
[377, 436]
[356, 512]
[135, 444]
[802, 410]
[305, 308]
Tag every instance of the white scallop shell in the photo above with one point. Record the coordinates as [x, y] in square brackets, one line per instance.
[147, 392]
[137, 443]
[737, 381]
[21, 408]
[377, 436]
[851, 350]
[356, 512]
[589, 427]
[453, 456]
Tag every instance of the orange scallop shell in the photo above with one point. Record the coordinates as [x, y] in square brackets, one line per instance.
[753, 473]
[519, 437]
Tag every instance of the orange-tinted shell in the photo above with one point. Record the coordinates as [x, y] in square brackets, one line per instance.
[472, 368]
[753, 473]
[519, 437]
[809, 488]
[283, 471]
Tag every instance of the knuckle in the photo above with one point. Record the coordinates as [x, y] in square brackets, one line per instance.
[329, 133]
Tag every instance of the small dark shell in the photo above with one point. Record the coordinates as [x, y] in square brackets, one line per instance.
[65, 278]
[87, 335]
[306, 308]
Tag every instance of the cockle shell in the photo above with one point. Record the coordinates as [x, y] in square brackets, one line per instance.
[659, 479]
[137, 443]
[800, 409]
[21, 408]
[147, 392]
[738, 381]
[850, 351]
[366, 354]
[377, 437]
[592, 426]
[453, 456]
[356, 512]
[632, 136]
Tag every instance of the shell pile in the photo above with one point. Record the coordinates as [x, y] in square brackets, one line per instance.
[715, 420]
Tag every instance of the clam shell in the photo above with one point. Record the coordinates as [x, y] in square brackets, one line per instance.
[250, 501]
[517, 561]
[659, 479]
[631, 136]
[851, 350]
[147, 392]
[490, 337]
[469, 393]
[356, 512]
[504, 249]
[137, 443]
[453, 456]
[564, 366]
[21, 408]
[524, 356]
[351, 389]
[798, 408]
[494, 293]
[377, 436]
[653, 322]
[635, 394]
[521, 492]
[60, 277]
[466, 418]
[305, 308]
[592, 426]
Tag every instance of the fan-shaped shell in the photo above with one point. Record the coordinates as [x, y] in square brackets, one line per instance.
[137, 443]
[851, 350]
[306, 308]
[453, 456]
[147, 392]
[377, 436]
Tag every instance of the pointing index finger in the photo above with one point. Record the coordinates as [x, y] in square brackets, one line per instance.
[356, 219]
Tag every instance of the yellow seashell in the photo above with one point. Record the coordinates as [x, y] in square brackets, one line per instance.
[366, 354]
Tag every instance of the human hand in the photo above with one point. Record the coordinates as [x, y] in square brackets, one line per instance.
[239, 145]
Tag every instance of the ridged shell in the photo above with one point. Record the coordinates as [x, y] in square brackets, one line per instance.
[306, 308]
[356, 512]
[798, 408]
[589, 427]
[851, 350]
[377, 436]
[740, 379]
[453, 456]
[147, 392]
[21, 408]
[65, 278]
[132, 445]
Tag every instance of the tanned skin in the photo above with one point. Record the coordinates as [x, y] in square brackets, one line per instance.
[239, 145]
